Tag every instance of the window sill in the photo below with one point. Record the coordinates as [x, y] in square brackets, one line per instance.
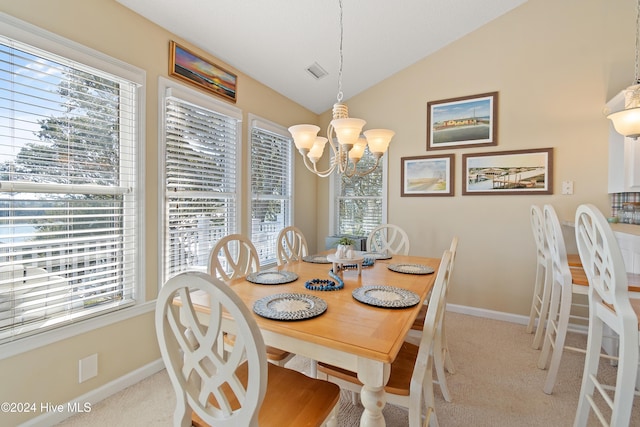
[40, 340]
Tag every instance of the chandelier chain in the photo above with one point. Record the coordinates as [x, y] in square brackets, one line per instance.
[637, 69]
[341, 57]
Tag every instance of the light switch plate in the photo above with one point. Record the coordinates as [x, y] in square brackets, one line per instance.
[567, 187]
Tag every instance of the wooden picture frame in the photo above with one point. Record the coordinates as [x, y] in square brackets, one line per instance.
[468, 121]
[194, 69]
[508, 172]
[427, 175]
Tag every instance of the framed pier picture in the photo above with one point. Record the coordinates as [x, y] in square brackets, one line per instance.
[508, 172]
[468, 121]
[427, 175]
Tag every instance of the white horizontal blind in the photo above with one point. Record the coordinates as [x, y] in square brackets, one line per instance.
[67, 191]
[271, 189]
[201, 199]
[359, 199]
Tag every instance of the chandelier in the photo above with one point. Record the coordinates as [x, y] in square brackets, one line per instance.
[627, 121]
[350, 145]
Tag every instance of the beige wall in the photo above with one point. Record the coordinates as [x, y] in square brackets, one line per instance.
[50, 373]
[554, 64]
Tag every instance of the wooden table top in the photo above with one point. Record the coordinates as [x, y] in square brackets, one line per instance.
[347, 325]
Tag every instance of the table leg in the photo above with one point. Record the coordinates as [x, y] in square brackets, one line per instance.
[373, 375]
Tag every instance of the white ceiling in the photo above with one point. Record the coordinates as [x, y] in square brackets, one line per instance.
[275, 41]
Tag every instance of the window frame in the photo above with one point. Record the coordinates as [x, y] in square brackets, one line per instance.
[39, 38]
[167, 87]
[255, 121]
[333, 196]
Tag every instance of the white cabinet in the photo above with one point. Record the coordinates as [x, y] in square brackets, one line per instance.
[628, 237]
[624, 156]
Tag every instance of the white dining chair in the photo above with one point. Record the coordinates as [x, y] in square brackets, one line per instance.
[232, 257]
[291, 245]
[241, 389]
[542, 283]
[388, 238]
[410, 382]
[560, 301]
[235, 256]
[442, 356]
[609, 305]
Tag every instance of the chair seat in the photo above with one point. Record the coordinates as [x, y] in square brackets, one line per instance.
[579, 277]
[401, 371]
[418, 324]
[273, 354]
[635, 305]
[292, 399]
[574, 260]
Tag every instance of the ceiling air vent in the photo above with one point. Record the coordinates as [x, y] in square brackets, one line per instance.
[316, 71]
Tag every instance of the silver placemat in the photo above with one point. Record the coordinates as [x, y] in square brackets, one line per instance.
[317, 259]
[411, 268]
[271, 277]
[386, 296]
[289, 306]
[377, 255]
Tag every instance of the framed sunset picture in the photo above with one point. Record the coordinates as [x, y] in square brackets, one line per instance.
[194, 69]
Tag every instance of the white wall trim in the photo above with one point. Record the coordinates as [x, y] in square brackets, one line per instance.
[503, 316]
[488, 314]
[96, 395]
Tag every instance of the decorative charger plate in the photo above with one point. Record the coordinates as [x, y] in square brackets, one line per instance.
[289, 306]
[386, 296]
[377, 255]
[271, 277]
[411, 268]
[317, 259]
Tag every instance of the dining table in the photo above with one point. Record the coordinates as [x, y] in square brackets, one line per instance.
[353, 329]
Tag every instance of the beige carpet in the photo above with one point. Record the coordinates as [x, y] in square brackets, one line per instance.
[497, 383]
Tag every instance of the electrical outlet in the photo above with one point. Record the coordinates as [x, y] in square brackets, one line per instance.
[87, 367]
[567, 187]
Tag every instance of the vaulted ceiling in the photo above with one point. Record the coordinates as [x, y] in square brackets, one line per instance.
[276, 41]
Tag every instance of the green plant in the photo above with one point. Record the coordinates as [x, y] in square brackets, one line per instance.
[345, 241]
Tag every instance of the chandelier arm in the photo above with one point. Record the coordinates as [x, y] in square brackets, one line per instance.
[355, 172]
[312, 167]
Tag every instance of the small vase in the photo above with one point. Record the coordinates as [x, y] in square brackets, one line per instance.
[343, 251]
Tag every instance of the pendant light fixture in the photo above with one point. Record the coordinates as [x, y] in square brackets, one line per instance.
[627, 121]
[348, 146]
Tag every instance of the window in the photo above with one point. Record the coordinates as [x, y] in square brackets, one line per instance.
[69, 208]
[271, 170]
[201, 155]
[359, 203]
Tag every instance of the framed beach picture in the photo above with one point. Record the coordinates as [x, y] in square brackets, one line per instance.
[187, 66]
[468, 121]
[508, 172]
[427, 175]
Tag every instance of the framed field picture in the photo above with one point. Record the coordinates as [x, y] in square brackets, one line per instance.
[468, 121]
[508, 172]
[427, 175]
[194, 69]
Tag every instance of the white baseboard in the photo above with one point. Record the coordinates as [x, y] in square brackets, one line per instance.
[94, 396]
[488, 314]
